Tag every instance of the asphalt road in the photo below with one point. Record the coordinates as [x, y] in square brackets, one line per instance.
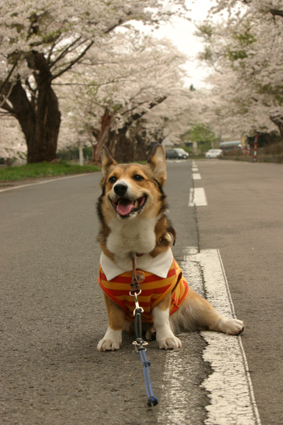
[244, 220]
[53, 314]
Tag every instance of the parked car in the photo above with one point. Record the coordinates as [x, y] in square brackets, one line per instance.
[213, 153]
[176, 153]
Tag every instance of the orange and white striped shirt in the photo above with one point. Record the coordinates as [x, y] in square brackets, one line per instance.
[154, 290]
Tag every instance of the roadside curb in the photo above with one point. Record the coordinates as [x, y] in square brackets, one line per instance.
[40, 180]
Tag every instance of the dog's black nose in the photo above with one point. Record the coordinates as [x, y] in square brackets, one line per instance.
[120, 189]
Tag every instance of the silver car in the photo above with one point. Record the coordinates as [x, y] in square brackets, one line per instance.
[213, 153]
[176, 153]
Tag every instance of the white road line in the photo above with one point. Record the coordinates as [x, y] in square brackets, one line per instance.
[229, 386]
[194, 167]
[197, 197]
[196, 176]
[43, 182]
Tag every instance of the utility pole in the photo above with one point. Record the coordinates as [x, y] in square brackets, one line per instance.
[255, 149]
[81, 155]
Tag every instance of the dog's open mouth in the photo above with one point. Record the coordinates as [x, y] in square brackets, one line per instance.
[125, 207]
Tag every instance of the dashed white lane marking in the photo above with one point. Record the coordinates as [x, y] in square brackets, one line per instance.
[194, 167]
[43, 182]
[196, 176]
[229, 386]
[197, 197]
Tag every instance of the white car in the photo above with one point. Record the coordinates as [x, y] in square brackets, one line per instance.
[213, 153]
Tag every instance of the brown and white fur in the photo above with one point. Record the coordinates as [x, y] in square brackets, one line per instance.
[143, 228]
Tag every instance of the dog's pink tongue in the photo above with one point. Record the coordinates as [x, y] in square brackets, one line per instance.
[124, 208]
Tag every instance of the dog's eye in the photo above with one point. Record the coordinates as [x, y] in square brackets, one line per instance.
[112, 179]
[138, 177]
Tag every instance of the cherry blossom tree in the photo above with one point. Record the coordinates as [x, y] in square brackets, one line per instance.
[245, 52]
[115, 97]
[41, 42]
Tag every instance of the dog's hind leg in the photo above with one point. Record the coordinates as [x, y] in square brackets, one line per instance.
[197, 313]
[112, 340]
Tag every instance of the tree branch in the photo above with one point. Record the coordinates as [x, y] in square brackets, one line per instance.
[51, 50]
[4, 105]
[67, 50]
[10, 73]
[276, 12]
[138, 115]
[72, 63]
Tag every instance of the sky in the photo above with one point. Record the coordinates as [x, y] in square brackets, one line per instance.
[181, 33]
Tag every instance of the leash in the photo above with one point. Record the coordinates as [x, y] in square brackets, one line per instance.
[139, 343]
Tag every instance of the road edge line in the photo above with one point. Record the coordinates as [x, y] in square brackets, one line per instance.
[230, 387]
[46, 181]
[244, 357]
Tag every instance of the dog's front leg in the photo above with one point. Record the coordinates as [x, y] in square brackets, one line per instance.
[164, 335]
[112, 340]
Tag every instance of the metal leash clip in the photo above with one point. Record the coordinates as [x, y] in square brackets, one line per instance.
[138, 308]
[139, 344]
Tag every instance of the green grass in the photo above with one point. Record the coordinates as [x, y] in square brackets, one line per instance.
[44, 169]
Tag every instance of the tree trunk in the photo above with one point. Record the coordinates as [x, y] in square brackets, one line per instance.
[143, 148]
[39, 118]
[277, 118]
[101, 136]
[47, 125]
[121, 146]
[23, 111]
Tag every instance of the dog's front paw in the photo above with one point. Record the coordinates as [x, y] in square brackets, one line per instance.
[170, 342]
[112, 341]
[108, 345]
[231, 326]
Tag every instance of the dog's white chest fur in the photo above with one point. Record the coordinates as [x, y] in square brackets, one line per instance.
[131, 236]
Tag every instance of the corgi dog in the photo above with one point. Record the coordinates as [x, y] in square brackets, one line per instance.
[133, 222]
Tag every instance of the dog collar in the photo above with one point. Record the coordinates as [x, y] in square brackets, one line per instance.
[158, 265]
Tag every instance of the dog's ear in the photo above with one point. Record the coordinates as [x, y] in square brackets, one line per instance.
[157, 165]
[106, 160]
